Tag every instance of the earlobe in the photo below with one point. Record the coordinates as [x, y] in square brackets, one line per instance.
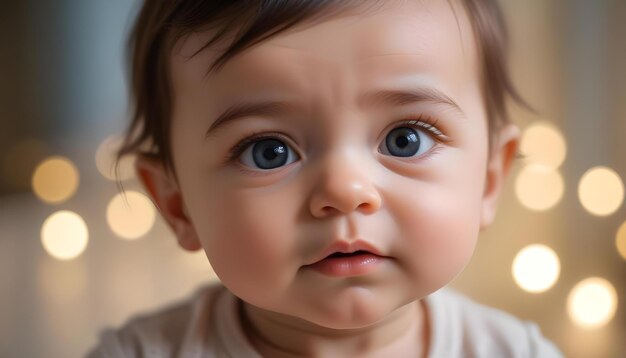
[165, 192]
[498, 168]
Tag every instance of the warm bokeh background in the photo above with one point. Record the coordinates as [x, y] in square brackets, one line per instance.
[63, 94]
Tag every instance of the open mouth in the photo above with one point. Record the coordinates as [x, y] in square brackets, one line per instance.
[348, 254]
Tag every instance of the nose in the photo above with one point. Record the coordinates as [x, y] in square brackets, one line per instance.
[344, 185]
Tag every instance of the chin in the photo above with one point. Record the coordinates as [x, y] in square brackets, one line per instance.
[354, 313]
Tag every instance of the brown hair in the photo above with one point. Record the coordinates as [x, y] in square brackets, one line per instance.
[160, 24]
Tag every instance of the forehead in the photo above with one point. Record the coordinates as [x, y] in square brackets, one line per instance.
[430, 42]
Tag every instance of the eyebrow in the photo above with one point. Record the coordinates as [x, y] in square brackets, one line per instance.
[394, 97]
[248, 109]
[408, 96]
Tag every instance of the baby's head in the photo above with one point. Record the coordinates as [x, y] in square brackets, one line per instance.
[335, 160]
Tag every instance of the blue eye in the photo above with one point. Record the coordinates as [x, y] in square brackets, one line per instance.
[406, 142]
[267, 154]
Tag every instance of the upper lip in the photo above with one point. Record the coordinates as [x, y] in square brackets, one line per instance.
[347, 247]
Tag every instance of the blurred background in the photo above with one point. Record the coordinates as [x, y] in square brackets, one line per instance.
[76, 258]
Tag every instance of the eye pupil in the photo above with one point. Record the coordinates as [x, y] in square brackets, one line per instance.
[269, 153]
[272, 153]
[403, 142]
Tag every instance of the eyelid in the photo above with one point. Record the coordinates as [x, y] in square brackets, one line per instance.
[426, 123]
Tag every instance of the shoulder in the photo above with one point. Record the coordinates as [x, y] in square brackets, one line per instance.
[163, 333]
[463, 327]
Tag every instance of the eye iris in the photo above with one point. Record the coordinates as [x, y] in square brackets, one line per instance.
[269, 153]
[403, 142]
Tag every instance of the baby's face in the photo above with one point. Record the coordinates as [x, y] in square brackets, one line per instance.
[343, 161]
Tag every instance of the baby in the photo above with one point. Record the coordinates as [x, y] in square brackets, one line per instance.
[336, 160]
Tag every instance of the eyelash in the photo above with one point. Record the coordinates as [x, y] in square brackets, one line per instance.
[421, 122]
[426, 123]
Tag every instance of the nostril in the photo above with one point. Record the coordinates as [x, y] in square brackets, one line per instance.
[364, 207]
[329, 210]
[367, 207]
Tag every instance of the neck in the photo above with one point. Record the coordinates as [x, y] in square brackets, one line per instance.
[275, 335]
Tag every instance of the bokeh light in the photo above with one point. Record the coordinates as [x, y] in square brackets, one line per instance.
[536, 268]
[592, 302]
[106, 156]
[539, 187]
[64, 235]
[543, 144]
[130, 215]
[620, 240]
[601, 191]
[55, 180]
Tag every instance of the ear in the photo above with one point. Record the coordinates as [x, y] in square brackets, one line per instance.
[165, 192]
[502, 156]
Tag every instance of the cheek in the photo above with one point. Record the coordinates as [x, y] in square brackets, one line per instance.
[440, 224]
[249, 238]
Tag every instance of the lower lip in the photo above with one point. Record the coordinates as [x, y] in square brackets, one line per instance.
[347, 266]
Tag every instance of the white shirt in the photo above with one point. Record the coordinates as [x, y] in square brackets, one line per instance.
[208, 325]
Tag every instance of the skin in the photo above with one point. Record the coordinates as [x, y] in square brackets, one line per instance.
[260, 228]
